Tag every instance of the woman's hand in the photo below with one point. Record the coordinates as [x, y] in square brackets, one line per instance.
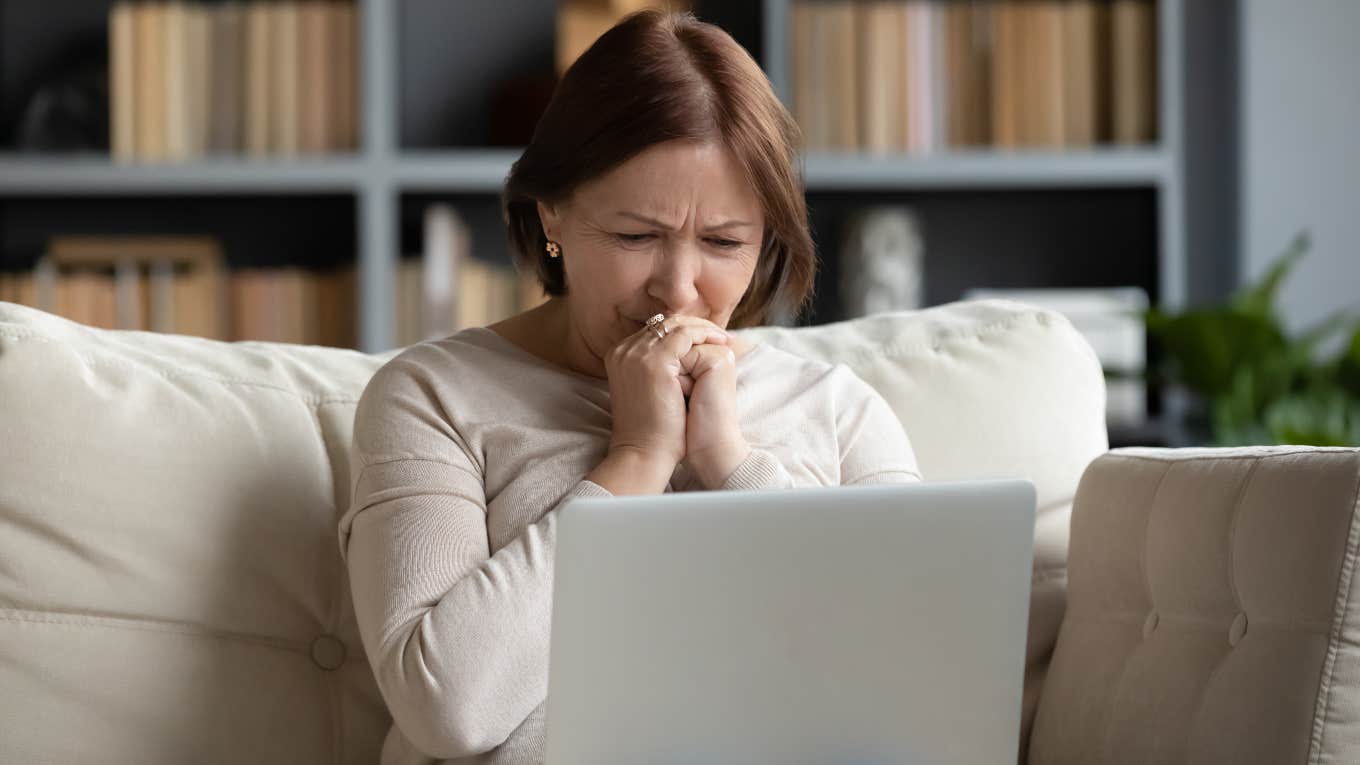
[714, 446]
[649, 378]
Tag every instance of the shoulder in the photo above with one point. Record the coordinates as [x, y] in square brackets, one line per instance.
[435, 364]
[438, 377]
[417, 404]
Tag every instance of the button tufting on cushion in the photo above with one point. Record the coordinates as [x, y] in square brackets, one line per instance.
[1238, 629]
[1150, 624]
[1170, 550]
[328, 652]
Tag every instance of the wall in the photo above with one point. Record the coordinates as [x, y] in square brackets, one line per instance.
[1300, 148]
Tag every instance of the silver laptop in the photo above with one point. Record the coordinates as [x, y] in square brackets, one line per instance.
[865, 625]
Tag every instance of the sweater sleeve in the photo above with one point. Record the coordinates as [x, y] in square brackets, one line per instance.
[760, 470]
[457, 637]
[874, 447]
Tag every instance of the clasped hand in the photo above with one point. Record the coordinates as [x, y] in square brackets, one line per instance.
[650, 380]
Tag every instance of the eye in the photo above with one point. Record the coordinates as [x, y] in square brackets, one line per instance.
[633, 238]
[726, 244]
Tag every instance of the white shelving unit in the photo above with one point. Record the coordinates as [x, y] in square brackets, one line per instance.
[380, 172]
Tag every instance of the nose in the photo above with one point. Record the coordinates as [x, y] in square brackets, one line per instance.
[675, 273]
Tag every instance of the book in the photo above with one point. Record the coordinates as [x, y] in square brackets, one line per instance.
[123, 81]
[881, 29]
[150, 120]
[184, 276]
[1084, 66]
[199, 75]
[336, 308]
[841, 98]
[1041, 111]
[178, 88]
[161, 285]
[474, 300]
[129, 304]
[409, 301]
[345, 96]
[227, 78]
[818, 130]
[1133, 71]
[259, 79]
[286, 82]
[921, 70]
[968, 75]
[1006, 76]
[314, 74]
[86, 296]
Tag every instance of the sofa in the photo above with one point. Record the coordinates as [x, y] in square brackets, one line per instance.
[171, 588]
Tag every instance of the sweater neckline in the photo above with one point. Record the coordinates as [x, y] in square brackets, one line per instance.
[558, 368]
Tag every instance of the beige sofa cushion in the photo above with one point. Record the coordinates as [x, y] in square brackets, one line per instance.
[1212, 614]
[170, 584]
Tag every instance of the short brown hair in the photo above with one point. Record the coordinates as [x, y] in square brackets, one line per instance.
[655, 77]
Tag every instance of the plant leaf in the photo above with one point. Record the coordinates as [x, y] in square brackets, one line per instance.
[1259, 299]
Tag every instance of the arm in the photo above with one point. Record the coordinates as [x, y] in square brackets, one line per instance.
[874, 447]
[457, 637]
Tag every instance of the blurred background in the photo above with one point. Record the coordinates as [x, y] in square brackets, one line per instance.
[1178, 177]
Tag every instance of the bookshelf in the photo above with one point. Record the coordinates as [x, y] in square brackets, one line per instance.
[407, 154]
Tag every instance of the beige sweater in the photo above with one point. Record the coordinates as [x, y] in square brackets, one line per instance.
[464, 450]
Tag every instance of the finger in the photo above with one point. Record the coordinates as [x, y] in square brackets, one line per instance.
[685, 336]
[688, 324]
[702, 359]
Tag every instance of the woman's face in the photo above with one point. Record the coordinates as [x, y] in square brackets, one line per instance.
[674, 230]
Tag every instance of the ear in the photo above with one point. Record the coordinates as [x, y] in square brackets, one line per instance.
[551, 218]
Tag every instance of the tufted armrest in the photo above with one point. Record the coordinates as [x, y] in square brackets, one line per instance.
[1212, 615]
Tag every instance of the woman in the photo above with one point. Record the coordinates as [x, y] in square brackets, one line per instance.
[661, 182]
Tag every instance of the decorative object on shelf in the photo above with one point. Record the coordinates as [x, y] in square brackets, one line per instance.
[1259, 385]
[66, 112]
[447, 247]
[1111, 320]
[446, 288]
[882, 262]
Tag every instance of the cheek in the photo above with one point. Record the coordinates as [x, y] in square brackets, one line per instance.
[723, 286]
[603, 276]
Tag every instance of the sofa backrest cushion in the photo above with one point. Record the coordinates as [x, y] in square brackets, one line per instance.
[170, 584]
[1213, 615]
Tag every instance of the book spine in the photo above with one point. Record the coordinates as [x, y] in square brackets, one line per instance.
[122, 81]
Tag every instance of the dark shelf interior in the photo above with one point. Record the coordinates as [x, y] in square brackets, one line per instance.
[1005, 239]
[312, 231]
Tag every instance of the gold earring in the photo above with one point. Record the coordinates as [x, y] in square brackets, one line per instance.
[554, 250]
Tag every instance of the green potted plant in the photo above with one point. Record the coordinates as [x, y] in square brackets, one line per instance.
[1258, 385]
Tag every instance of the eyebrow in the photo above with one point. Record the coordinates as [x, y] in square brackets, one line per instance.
[660, 224]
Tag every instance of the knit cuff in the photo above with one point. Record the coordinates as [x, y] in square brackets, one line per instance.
[588, 488]
[760, 470]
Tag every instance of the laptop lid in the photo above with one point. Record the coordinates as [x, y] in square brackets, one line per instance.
[868, 624]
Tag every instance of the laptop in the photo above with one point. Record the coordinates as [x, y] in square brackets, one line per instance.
[861, 624]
